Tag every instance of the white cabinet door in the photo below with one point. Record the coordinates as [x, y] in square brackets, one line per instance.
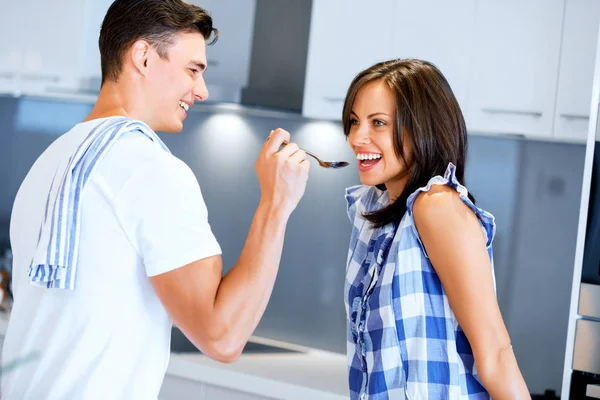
[229, 57]
[517, 46]
[441, 32]
[346, 36]
[576, 73]
[221, 393]
[90, 70]
[50, 39]
[53, 44]
[175, 388]
[1, 346]
[10, 46]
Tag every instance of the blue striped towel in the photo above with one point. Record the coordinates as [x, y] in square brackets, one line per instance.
[54, 264]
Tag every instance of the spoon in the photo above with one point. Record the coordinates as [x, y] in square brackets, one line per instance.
[324, 164]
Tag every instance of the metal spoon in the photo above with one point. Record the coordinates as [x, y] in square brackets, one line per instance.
[324, 164]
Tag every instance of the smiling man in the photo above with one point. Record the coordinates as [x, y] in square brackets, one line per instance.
[110, 234]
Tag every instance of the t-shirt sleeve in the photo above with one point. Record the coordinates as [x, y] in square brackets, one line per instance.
[164, 215]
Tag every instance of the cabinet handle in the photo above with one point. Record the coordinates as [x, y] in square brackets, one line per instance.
[536, 114]
[574, 116]
[333, 99]
[83, 91]
[41, 77]
[593, 391]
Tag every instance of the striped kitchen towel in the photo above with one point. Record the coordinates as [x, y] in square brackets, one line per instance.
[54, 264]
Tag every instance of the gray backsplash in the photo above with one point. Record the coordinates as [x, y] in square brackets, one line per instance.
[535, 202]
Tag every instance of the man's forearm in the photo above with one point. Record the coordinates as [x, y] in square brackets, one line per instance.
[244, 292]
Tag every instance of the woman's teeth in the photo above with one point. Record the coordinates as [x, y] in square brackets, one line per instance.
[185, 106]
[363, 156]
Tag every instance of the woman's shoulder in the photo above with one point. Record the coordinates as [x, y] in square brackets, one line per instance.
[443, 197]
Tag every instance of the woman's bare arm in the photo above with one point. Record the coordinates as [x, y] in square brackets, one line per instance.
[456, 246]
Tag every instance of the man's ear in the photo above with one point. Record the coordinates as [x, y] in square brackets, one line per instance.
[139, 54]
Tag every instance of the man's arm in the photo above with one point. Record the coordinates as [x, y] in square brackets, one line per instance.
[218, 314]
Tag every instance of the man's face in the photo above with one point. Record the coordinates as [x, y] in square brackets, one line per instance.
[176, 82]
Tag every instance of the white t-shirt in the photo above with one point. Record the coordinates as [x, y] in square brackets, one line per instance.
[142, 214]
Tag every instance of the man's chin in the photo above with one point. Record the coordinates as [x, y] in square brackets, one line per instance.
[171, 128]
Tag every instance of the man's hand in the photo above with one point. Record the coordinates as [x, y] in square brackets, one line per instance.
[282, 174]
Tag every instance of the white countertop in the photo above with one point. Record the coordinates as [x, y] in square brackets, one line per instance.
[315, 375]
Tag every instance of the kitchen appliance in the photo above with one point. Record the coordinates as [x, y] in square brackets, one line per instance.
[581, 378]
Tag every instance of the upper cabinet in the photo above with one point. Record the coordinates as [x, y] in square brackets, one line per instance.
[42, 45]
[517, 48]
[440, 32]
[53, 45]
[229, 57]
[516, 67]
[90, 74]
[10, 52]
[346, 36]
[576, 72]
[521, 67]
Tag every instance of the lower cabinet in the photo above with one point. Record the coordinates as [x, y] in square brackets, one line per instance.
[221, 393]
[181, 389]
[175, 388]
[1, 346]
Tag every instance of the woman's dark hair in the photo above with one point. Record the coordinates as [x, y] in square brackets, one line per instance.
[428, 112]
[156, 21]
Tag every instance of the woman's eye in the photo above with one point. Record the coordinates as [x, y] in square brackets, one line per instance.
[378, 122]
[353, 121]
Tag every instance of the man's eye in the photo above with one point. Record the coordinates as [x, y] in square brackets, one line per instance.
[194, 71]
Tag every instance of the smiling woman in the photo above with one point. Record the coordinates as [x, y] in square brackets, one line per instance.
[422, 316]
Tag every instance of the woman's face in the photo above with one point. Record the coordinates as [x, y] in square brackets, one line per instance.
[371, 137]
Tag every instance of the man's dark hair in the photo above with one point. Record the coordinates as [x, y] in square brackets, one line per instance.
[156, 21]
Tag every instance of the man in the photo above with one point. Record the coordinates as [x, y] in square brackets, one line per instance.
[110, 234]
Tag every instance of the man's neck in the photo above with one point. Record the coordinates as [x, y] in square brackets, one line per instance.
[111, 102]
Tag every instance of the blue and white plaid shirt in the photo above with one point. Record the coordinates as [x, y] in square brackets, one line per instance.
[404, 341]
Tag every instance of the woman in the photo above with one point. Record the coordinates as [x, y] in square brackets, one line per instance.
[423, 320]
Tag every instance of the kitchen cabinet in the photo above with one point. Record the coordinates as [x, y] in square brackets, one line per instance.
[54, 45]
[1, 346]
[440, 32]
[175, 388]
[229, 57]
[576, 72]
[516, 67]
[346, 36]
[44, 46]
[221, 393]
[90, 72]
[516, 58]
[10, 51]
